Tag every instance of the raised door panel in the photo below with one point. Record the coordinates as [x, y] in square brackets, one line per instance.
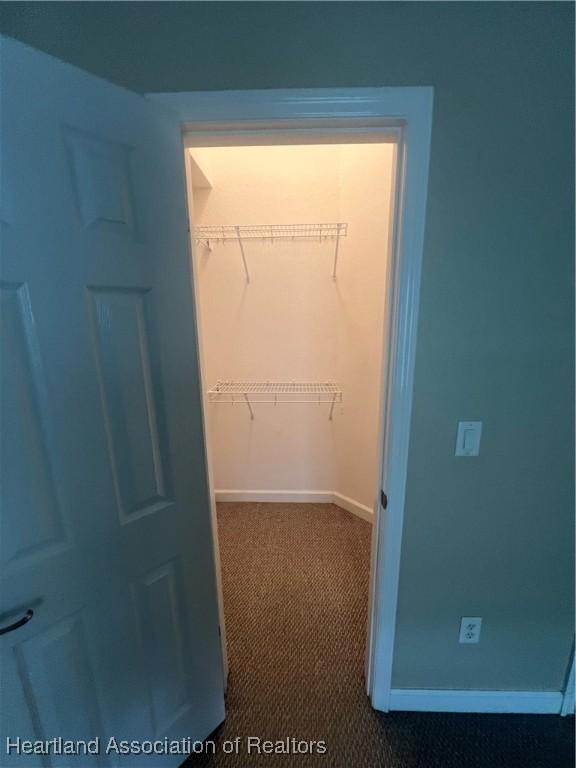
[158, 606]
[130, 401]
[102, 181]
[32, 523]
[17, 721]
[56, 673]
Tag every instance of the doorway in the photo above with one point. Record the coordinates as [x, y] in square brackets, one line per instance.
[357, 115]
[404, 116]
[290, 247]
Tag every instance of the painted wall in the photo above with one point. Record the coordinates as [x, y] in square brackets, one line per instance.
[366, 185]
[492, 536]
[293, 321]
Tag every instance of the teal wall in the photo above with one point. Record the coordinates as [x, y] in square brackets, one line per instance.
[492, 536]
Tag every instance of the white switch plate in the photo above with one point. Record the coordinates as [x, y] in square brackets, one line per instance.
[470, 627]
[468, 438]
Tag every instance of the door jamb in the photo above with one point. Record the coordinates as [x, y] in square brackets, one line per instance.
[353, 111]
[206, 434]
[569, 693]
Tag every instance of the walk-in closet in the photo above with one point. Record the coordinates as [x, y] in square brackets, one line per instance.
[290, 257]
[290, 247]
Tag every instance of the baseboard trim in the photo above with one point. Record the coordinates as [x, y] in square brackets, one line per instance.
[300, 497]
[360, 510]
[519, 702]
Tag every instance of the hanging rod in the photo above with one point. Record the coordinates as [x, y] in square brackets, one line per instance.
[221, 233]
[276, 392]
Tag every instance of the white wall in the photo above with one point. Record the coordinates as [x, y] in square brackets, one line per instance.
[365, 198]
[293, 321]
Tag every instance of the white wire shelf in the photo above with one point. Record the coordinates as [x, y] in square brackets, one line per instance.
[211, 234]
[249, 392]
[220, 233]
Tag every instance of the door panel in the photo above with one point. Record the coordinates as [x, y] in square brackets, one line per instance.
[102, 182]
[159, 612]
[33, 515]
[56, 673]
[105, 510]
[129, 400]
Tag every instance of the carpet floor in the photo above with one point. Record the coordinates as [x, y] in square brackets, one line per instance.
[295, 580]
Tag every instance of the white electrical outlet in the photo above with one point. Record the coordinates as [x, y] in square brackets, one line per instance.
[470, 627]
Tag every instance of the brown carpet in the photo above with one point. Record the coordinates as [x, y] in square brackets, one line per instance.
[295, 582]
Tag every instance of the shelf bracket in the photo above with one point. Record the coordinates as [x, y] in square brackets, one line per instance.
[241, 244]
[249, 407]
[332, 408]
[336, 257]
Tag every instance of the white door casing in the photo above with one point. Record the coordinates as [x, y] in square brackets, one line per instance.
[106, 529]
[353, 114]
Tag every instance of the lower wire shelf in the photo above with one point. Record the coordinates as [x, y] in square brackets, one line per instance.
[276, 392]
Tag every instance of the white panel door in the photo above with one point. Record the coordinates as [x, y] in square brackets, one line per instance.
[105, 513]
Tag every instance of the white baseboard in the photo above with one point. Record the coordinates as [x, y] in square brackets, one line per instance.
[360, 510]
[526, 702]
[301, 497]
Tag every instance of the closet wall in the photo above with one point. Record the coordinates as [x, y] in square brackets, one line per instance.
[293, 321]
[366, 184]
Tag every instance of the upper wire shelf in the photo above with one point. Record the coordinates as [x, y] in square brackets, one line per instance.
[209, 234]
[220, 233]
[276, 392]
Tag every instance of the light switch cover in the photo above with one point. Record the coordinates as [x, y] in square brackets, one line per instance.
[468, 438]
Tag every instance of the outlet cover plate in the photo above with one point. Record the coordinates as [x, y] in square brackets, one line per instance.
[470, 627]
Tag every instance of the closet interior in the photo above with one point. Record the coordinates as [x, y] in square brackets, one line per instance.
[290, 249]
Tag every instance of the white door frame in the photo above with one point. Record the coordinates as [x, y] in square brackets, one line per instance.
[341, 112]
[569, 696]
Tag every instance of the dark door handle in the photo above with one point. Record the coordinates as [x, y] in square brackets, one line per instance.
[17, 624]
